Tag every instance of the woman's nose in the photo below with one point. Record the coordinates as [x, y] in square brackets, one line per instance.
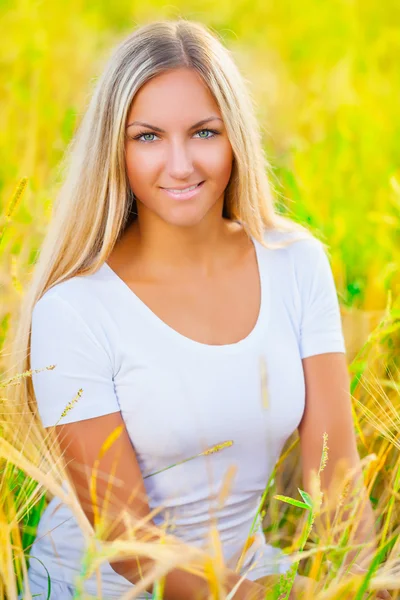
[180, 163]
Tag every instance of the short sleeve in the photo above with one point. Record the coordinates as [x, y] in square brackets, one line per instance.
[320, 325]
[60, 337]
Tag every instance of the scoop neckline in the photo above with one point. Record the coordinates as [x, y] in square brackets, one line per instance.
[250, 339]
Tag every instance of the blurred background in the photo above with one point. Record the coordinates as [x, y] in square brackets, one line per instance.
[325, 79]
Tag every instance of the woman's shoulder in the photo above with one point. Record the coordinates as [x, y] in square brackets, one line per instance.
[79, 293]
[290, 235]
[301, 247]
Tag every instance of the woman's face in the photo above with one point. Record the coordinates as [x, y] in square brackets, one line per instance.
[174, 151]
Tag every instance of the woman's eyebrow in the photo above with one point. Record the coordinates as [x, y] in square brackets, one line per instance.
[162, 130]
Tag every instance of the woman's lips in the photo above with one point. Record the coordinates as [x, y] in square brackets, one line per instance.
[184, 195]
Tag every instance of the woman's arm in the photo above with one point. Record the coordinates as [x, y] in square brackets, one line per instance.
[328, 410]
[120, 480]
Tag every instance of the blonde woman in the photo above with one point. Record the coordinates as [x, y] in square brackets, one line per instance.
[187, 311]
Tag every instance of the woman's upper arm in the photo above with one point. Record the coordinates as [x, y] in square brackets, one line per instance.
[60, 336]
[327, 410]
[80, 386]
[320, 320]
[326, 376]
[119, 481]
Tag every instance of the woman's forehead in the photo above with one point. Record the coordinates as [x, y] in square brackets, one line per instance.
[179, 95]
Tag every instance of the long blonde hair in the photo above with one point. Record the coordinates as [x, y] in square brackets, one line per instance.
[95, 203]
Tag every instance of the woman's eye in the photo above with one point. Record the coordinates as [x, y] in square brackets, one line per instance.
[201, 131]
[208, 131]
[143, 135]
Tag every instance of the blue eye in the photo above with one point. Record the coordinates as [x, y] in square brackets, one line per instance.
[209, 131]
[144, 133]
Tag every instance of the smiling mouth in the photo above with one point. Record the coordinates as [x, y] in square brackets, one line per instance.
[184, 190]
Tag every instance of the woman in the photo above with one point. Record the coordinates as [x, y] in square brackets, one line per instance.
[166, 286]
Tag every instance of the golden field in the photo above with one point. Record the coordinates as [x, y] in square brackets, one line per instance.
[326, 81]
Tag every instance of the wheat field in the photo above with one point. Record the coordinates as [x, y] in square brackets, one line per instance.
[326, 81]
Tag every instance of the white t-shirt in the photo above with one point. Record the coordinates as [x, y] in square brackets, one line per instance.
[179, 397]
